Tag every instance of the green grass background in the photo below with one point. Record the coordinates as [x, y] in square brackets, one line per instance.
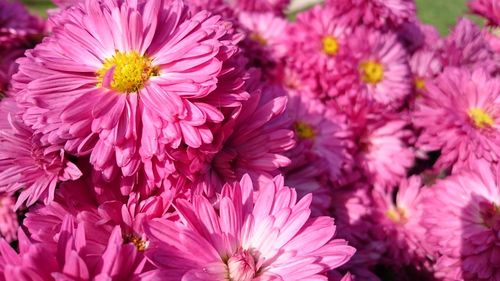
[440, 13]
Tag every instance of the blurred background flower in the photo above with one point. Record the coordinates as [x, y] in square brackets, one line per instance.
[429, 11]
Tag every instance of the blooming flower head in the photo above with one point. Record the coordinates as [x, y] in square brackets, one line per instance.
[489, 9]
[462, 215]
[268, 238]
[383, 67]
[400, 220]
[76, 200]
[72, 199]
[8, 218]
[75, 256]
[382, 14]
[264, 45]
[27, 165]
[382, 152]
[466, 46]
[112, 230]
[459, 115]
[253, 143]
[321, 135]
[134, 213]
[127, 90]
[425, 66]
[322, 33]
[318, 50]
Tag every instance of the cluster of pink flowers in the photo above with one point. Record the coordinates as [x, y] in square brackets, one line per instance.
[204, 140]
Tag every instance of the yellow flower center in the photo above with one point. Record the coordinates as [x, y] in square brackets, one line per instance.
[256, 37]
[126, 72]
[397, 215]
[372, 72]
[330, 45]
[480, 118]
[140, 244]
[419, 83]
[303, 130]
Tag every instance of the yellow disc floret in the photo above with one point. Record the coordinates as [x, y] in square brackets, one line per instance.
[330, 45]
[419, 83]
[480, 118]
[140, 244]
[397, 215]
[372, 72]
[257, 38]
[303, 130]
[126, 72]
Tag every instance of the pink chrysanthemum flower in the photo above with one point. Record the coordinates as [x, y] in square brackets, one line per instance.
[127, 89]
[400, 219]
[75, 199]
[318, 51]
[320, 34]
[275, 6]
[382, 65]
[383, 153]
[425, 66]
[8, 218]
[321, 135]
[466, 46]
[269, 238]
[264, 45]
[460, 116]
[132, 215]
[253, 143]
[462, 215]
[490, 9]
[25, 265]
[75, 256]
[382, 14]
[17, 26]
[27, 165]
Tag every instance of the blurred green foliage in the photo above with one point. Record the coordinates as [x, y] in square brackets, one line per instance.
[443, 14]
[38, 6]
